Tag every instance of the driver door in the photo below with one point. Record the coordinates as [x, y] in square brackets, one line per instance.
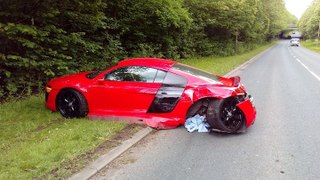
[127, 90]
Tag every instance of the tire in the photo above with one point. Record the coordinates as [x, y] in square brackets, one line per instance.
[225, 116]
[199, 107]
[71, 104]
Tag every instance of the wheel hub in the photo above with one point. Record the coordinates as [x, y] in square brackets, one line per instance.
[229, 114]
[70, 104]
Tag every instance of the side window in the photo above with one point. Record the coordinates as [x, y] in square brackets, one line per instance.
[136, 74]
[160, 76]
[120, 74]
[174, 79]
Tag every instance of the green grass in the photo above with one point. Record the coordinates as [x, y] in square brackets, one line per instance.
[312, 45]
[222, 65]
[34, 141]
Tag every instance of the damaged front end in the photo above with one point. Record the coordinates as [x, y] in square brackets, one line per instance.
[248, 109]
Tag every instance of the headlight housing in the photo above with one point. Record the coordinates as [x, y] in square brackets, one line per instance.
[48, 89]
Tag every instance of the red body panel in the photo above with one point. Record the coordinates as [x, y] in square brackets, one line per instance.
[249, 111]
[131, 100]
[133, 97]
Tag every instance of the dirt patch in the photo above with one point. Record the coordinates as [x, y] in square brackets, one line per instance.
[73, 166]
[44, 126]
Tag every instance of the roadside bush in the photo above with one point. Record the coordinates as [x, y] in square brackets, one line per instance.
[43, 39]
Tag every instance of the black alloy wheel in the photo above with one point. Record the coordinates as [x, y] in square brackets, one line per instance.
[71, 104]
[231, 117]
[224, 115]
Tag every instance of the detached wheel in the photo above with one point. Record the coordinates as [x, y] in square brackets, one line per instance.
[71, 104]
[224, 115]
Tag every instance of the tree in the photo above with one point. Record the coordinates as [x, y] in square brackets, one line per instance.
[151, 27]
[310, 20]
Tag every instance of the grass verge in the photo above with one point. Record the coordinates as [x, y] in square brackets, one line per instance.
[36, 143]
[312, 45]
[222, 65]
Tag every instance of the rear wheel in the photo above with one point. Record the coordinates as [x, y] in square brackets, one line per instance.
[71, 104]
[224, 115]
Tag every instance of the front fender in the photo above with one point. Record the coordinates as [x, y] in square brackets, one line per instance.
[248, 110]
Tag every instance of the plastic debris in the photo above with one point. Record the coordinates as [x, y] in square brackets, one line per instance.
[195, 123]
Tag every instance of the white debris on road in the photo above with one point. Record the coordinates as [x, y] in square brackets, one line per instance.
[197, 122]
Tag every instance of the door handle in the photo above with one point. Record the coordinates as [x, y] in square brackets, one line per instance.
[147, 92]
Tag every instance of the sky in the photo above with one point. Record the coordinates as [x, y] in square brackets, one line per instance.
[297, 7]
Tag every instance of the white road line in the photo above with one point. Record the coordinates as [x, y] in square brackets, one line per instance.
[311, 72]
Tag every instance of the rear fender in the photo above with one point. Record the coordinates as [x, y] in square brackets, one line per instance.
[198, 93]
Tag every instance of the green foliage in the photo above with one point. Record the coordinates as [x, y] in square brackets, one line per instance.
[223, 27]
[151, 27]
[223, 65]
[40, 40]
[313, 45]
[310, 21]
[43, 39]
[278, 16]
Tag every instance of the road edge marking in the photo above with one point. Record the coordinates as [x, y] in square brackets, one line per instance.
[303, 65]
[306, 67]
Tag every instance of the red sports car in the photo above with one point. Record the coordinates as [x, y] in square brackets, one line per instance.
[157, 92]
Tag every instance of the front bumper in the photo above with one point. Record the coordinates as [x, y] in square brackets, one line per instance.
[51, 100]
[249, 110]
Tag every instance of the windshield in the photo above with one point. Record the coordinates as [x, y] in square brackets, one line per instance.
[196, 72]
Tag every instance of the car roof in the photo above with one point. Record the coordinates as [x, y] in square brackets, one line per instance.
[164, 64]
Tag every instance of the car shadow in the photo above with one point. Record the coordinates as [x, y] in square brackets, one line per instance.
[213, 133]
[225, 135]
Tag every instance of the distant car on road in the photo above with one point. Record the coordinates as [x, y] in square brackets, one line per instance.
[157, 92]
[295, 42]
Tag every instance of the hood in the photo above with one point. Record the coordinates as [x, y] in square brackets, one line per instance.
[72, 79]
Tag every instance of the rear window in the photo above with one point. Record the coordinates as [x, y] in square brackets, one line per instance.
[196, 72]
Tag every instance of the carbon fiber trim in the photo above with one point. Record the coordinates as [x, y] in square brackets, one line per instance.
[169, 94]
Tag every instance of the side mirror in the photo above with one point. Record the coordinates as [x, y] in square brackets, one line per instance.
[101, 81]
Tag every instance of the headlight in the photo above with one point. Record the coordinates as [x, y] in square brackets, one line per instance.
[251, 99]
[48, 89]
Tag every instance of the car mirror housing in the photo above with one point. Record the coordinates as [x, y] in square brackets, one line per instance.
[101, 81]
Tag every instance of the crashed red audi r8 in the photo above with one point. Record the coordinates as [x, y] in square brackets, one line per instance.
[160, 93]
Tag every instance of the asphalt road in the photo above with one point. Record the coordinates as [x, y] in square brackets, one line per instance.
[284, 142]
